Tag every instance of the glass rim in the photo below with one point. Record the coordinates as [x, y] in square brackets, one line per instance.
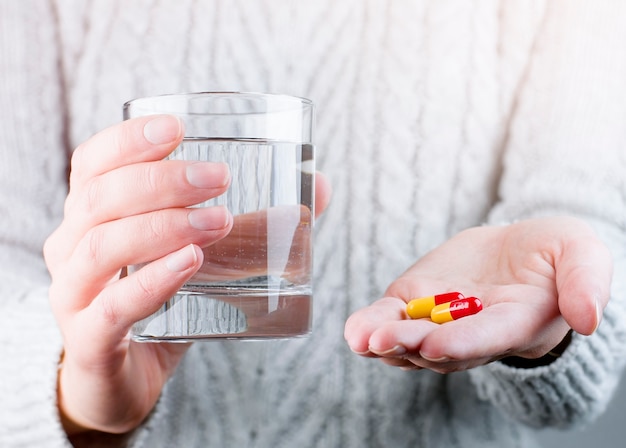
[232, 114]
[269, 97]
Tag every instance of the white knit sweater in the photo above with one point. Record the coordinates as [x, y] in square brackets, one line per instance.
[432, 116]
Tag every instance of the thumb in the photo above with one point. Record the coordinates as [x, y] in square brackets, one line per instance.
[583, 279]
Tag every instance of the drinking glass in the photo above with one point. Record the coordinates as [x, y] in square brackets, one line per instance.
[256, 282]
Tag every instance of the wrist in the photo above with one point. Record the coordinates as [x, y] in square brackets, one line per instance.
[69, 425]
[547, 359]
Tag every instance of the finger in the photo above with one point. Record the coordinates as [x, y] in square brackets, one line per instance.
[402, 363]
[107, 248]
[137, 140]
[133, 190]
[446, 367]
[247, 250]
[520, 328]
[400, 338]
[399, 344]
[323, 192]
[360, 325]
[145, 187]
[111, 315]
[583, 278]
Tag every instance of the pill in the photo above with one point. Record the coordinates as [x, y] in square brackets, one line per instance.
[422, 306]
[456, 309]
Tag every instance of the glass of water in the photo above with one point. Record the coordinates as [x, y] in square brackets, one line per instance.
[256, 282]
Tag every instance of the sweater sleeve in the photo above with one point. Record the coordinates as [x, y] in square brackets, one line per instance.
[32, 179]
[566, 154]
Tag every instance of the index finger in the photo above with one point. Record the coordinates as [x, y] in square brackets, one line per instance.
[141, 139]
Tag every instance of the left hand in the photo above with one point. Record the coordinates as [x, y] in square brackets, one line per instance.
[536, 278]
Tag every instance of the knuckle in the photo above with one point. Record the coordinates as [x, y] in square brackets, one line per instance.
[109, 312]
[127, 138]
[85, 198]
[76, 162]
[120, 138]
[152, 178]
[146, 285]
[156, 226]
[54, 250]
[94, 246]
[49, 249]
[91, 197]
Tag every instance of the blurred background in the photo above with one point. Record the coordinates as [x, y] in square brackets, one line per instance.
[609, 431]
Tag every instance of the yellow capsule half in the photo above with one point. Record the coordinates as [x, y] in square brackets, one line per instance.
[422, 306]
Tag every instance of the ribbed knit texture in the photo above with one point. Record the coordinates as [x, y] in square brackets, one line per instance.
[432, 116]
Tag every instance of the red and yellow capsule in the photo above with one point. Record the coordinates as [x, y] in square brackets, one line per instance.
[456, 309]
[422, 306]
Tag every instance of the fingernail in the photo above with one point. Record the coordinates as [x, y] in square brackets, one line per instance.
[410, 369]
[440, 359]
[182, 259]
[162, 129]
[208, 174]
[397, 350]
[599, 313]
[209, 218]
[360, 353]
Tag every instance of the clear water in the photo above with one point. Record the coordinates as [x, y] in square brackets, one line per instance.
[256, 282]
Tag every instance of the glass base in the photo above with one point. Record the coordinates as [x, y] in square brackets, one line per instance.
[223, 313]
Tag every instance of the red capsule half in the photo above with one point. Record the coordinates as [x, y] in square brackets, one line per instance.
[456, 309]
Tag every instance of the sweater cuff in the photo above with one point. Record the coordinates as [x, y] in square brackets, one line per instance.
[30, 347]
[574, 389]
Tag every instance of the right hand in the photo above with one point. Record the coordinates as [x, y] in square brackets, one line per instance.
[126, 205]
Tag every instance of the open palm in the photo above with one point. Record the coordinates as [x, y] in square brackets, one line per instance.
[536, 278]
